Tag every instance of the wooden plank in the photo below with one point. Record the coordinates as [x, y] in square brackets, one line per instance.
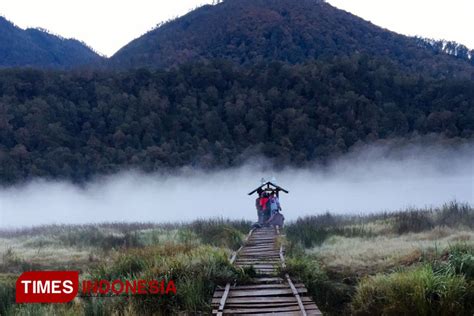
[258, 267]
[260, 253]
[264, 232]
[224, 297]
[263, 240]
[269, 255]
[278, 314]
[282, 258]
[276, 309]
[267, 280]
[262, 305]
[259, 260]
[260, 250]
[262, 286]
[270, 247]
[264, 292]
[308, 306]
[253, 264]
[266, 255]
[296, 294]
[250, 263]
[257, 299]
[243, 291]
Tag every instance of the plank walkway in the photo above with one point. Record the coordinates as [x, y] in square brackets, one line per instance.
[268, 293]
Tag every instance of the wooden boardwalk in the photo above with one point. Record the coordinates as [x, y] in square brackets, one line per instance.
[268, 293]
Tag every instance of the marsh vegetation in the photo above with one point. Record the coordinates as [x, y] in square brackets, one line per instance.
[418, 260]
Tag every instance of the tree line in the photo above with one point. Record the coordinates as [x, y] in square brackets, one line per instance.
[74, 125]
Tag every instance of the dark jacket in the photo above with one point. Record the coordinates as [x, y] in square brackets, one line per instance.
[257, 204]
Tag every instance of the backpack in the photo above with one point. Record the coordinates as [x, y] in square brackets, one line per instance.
[268, 205]
[273, 204]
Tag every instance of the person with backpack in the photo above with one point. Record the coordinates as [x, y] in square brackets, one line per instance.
[264, 203]
[274, 203]
[259, 207]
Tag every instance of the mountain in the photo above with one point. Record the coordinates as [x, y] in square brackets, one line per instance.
[295, 82]
[38, 48]
[253, 31]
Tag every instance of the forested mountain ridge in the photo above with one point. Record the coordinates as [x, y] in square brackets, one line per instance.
[296, 82]
[252, 31]
[40, 49]
[77, 125]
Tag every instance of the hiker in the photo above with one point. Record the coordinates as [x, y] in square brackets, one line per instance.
[259, 207]
[268, 204]
[265, 205]
[274, 204]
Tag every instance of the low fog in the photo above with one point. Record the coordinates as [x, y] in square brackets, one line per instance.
[371, 179]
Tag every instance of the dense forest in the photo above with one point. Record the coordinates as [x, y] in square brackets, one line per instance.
[39, 48]
[253, 31]
[78, 124]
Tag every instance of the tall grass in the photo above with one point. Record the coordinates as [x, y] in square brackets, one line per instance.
[7, 294]
[220, 232]
[417, 291]
[461, 260]
[195, 269]
[314, 230]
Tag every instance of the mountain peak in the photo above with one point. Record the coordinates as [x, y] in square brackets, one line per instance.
[254, 31]
[36, 47]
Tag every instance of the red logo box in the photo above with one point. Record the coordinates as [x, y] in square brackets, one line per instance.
[47, 286]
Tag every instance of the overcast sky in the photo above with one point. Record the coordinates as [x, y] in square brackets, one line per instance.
[107, 25]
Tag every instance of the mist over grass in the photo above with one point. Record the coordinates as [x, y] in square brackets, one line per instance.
[368, 179]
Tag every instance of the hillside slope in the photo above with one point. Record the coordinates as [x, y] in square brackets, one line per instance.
[38, 48]
[252, 31]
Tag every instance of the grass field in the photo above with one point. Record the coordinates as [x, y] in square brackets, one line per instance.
[351, 264]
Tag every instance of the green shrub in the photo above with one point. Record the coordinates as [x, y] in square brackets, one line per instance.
[417, 291]
[7, 295]
[220, 233]
[461, 259]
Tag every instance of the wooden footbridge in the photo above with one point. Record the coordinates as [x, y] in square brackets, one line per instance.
[268, 293]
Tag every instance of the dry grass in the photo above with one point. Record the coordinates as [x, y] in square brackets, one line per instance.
[367, 255]
[48, 251]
